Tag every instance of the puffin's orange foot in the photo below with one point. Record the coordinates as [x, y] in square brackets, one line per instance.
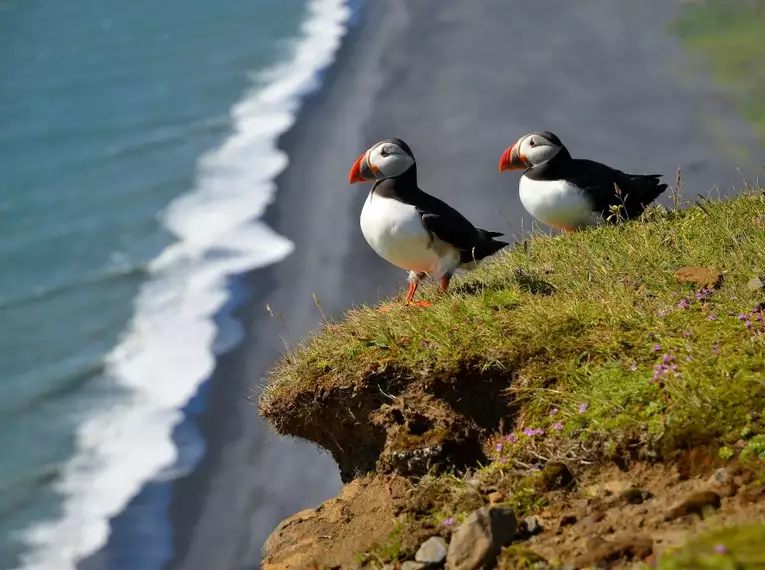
[421, 304]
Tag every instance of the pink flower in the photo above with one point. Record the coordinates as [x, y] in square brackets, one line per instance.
[558, 426]
[553, 411]
[583, 408]
[512, 438]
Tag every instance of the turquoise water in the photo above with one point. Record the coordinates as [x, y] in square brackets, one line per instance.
[105, 109]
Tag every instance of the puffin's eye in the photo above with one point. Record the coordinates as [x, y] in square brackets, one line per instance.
[532, 143]
[384, 152]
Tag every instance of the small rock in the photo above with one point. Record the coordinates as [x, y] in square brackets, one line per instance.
[478, 541]
[568, 519]
[554, 476]
[607, 489]
[529, 527]
[721, 475]
[699, 276]
[695, 504]
[412, 565]
[432, 551]
[496, 497]
[637, 548]
[635, 496]
[755, 284]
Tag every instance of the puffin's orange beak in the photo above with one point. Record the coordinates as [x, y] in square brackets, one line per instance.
[361, 171]
[512, 159]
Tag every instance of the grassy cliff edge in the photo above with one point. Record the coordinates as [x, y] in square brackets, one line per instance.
[629, 355]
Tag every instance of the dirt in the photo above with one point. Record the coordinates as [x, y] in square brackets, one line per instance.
[391, 422]
[335, 533]
[610, 517]
[699, 276]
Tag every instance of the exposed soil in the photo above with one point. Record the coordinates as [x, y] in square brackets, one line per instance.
[608, 517]
[390, 422]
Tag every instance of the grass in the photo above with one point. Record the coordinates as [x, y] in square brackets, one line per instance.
[599, 351]
[729, 35]
[646, 355]
[726, 549]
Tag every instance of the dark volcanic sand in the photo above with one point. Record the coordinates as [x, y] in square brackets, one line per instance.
[459, 82]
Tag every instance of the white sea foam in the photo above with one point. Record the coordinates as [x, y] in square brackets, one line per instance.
[168, 349]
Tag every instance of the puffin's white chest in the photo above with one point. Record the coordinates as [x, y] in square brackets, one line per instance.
[557, 203]
[395, 231]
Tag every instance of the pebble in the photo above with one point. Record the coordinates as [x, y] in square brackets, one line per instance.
[478, 541]
[694, 504]
[432, 551]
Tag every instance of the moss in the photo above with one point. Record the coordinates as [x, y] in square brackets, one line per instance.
[518, 558]
[733, 548]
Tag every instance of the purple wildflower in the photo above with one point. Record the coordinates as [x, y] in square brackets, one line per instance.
[558, 426]
[742, 317]
[688, 334]
[539, 431]
[512, 438]
[703, 293]
[683, 304]
[502, 460]
[499, 447]
[634, 366]
[711, 318]
[448, 522]
[667, 358]
[656, 347]
[583, 408]
[553, 411]
[715, 348]
[721, 549]
[748, 324]
[529, 432]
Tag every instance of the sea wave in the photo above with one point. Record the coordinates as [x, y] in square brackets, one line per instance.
[170, 345]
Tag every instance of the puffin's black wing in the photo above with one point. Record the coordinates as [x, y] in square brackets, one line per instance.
[601, 183]
[446, 223]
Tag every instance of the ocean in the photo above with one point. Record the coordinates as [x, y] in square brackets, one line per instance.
[137, 150]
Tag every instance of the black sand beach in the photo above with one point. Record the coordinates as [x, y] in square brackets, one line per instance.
[459, 82]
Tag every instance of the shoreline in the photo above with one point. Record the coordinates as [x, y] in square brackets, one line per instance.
[372, 89]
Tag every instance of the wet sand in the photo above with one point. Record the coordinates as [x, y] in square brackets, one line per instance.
[459, 82]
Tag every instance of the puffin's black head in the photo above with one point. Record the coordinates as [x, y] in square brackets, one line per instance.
[388, 158]
[533, 149]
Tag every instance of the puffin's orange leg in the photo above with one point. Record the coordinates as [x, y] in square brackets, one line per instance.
[412, 289]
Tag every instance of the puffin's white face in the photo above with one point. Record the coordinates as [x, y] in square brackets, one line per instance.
[533, 149]
[383, 160]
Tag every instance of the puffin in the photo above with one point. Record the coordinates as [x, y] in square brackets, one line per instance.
[569, 193]
[410, 228]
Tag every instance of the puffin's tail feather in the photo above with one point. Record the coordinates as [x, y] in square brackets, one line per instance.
[485, 247]
[646, 189]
